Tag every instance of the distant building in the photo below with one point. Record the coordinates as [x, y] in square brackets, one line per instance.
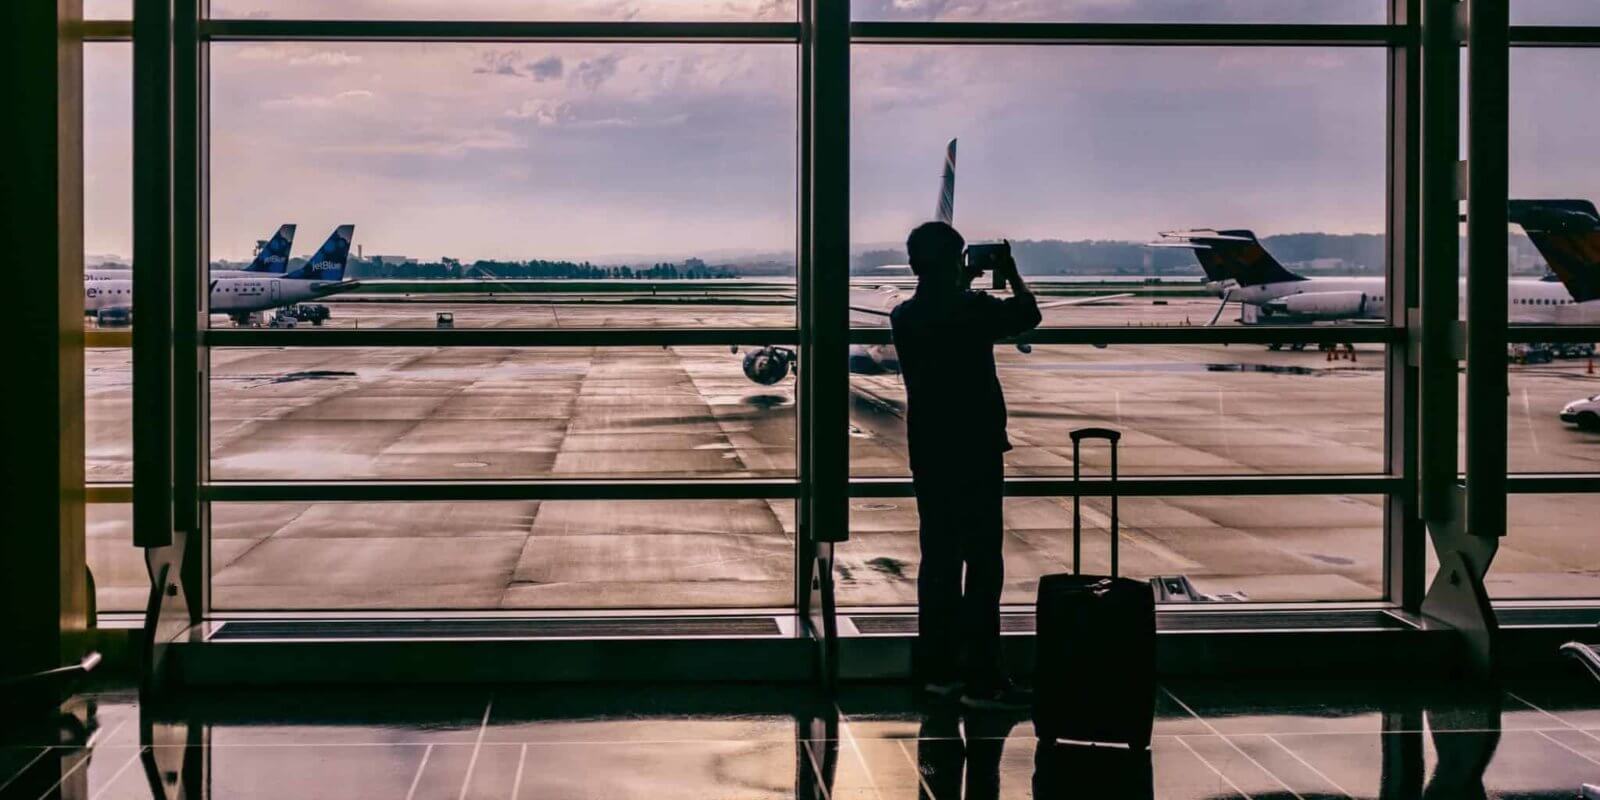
[391, 261]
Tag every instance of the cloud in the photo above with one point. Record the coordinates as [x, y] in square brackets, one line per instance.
[593, 72]
[553, 114]
[498, 62]
[545, 69]
[307, 101]
[297, 56]
[445, 143]
[326, 58]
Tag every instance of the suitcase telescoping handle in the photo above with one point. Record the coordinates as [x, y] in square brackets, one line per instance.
[1077, 517]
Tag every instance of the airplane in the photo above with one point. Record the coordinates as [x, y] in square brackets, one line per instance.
[872, 306]
[272, 258]
[1237, 267]
[246, 292]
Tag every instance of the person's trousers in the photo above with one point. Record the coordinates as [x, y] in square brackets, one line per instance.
[962, 571]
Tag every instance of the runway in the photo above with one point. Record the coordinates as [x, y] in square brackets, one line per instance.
[689, 412]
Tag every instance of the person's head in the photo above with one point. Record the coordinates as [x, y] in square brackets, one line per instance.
[934, 249]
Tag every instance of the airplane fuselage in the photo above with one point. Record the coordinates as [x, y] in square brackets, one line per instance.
[229, 295]
[1529, 301]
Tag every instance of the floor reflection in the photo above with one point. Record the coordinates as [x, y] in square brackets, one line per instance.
[1389, 741]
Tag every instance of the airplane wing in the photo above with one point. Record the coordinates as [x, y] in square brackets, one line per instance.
[877, 312]
[1083, 301]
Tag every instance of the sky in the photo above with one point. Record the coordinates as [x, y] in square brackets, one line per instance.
[613, 152]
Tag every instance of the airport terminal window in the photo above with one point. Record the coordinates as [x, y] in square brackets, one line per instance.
[121, 582]
[107, 9]
[1236, 548]
[1555, 180]
[108, 414]
[118, 567]
[1185, 409]
[1553, 12]
[1549, 551]
[1298, 11]
[507, 185]
[1082, 156]
[555, 554]
[481, 413]
[520, 10]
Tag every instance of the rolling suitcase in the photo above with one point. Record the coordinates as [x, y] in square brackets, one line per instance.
[1094, 674]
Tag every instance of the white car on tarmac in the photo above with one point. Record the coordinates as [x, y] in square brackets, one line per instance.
[1584, 413]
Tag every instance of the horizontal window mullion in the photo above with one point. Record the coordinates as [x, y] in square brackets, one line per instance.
[466, 491]
[500, 337]
[1553, 333]
[1140, 33]
[108, 493]
[1311, 334]
[1162, 486]
[108, 338]
[497, 31]
[106, 30]
[1555, 36]
[1552, 483]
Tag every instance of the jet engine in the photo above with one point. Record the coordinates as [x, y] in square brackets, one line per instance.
[768, 365]
[1324, 305]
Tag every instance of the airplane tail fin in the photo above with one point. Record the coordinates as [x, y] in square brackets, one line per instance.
[1235, 255]
[1567, 234]
[328, 263]
[274, 255]
[946, 211]
[1248, 262]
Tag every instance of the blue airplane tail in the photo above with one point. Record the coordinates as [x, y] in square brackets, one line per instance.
[274, 255]
[328, 263]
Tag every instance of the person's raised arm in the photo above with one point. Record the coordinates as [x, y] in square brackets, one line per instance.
[1018, 313]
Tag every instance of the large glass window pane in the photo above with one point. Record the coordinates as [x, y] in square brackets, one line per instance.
[484, 413]
[546, 10]
[554, 185]
[1553, 416]
[1081, 156]
[108, 9]
[108, 412]
[569, 554]
[1554, 12]
[1300, 11]
[1555, 182]
[1184, 409]
[120, 580]
[1260, 549]
[1549, 551]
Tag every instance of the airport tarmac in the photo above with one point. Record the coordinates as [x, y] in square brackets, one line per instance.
[638, 412]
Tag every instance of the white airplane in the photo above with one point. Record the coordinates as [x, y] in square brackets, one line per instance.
[273, 258]
[871, 305]
[243, 293]
[1566, 233]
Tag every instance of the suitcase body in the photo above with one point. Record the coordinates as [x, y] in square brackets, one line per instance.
[1095, 676]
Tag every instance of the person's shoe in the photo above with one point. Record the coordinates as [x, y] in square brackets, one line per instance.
[999, 697]
[942, 689]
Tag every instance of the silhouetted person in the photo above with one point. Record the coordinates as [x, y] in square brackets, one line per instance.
[944, 337]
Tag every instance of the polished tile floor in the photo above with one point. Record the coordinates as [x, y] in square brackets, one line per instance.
[1233, 739]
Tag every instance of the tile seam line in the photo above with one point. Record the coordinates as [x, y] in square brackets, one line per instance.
[1232, 744]
[477, 747]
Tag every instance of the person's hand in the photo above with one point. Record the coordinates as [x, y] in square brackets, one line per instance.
[1007, 266]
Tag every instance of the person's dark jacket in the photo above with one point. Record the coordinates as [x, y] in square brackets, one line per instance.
[945, 346]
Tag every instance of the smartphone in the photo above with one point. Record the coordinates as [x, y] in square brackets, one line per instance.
[987, 257]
